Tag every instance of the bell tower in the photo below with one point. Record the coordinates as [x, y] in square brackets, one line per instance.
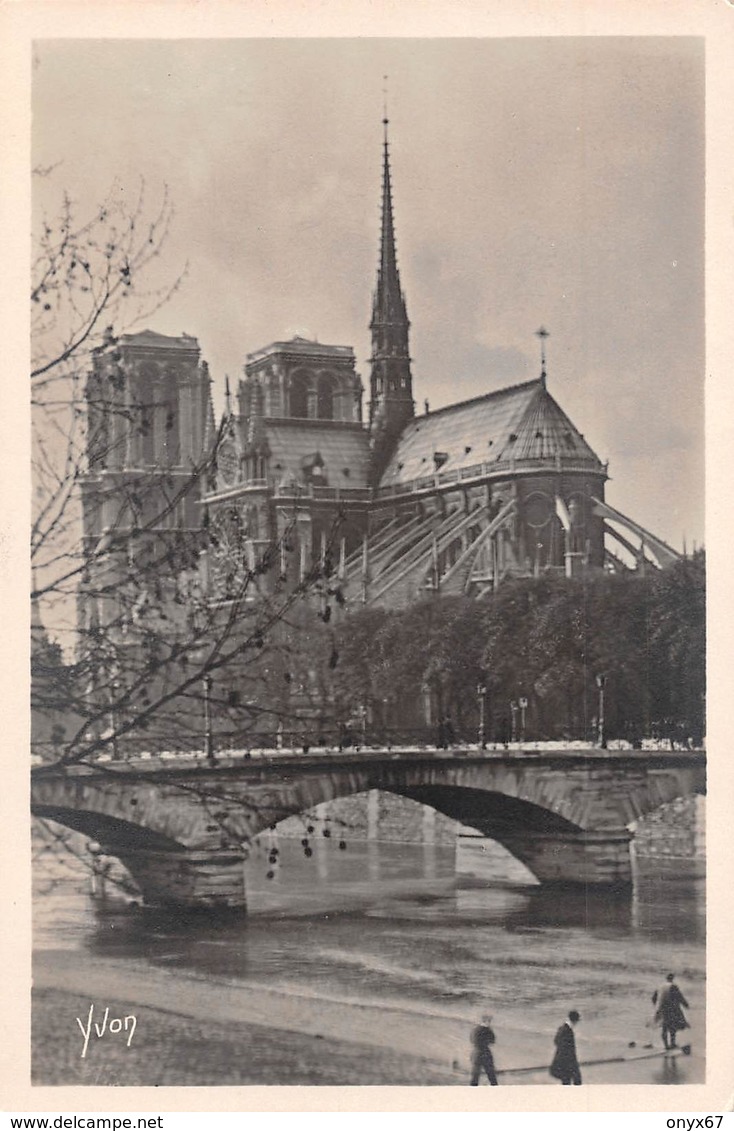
[391, 382]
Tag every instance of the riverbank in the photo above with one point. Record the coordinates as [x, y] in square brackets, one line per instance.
[192, 1031]
[170, 1049]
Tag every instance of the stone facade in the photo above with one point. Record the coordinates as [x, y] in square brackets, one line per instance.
[675, 830]
[401, 506]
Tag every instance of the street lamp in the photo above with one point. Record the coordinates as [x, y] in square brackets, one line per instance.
[481, 695]
[513, 711]
[600, 681]
[208, 736]
[523, 703]
[113, 717]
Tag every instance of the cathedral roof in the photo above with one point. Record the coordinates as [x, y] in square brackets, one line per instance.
[151, 339]
[522, 422]
[300, 347]
[344, 450]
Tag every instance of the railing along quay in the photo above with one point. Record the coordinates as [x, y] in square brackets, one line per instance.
[290, 743]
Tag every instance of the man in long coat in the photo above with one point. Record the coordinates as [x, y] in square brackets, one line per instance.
[482, 1039]
[565, 1065]
[668, 1013]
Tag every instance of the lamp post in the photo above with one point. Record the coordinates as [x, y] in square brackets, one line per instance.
[513, 712]
[481, 695]
[600, 681]
[208, 736]
[523, 704]
[113, 717]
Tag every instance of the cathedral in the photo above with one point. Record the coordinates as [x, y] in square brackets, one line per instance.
[403, 504]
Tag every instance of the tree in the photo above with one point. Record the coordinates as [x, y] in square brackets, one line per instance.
[677, 649]
[144, 629]
[546, 640]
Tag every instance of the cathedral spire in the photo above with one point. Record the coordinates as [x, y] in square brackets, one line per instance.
[389, 303]
[391, 383]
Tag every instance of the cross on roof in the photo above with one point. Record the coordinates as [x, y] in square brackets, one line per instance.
[542, 333]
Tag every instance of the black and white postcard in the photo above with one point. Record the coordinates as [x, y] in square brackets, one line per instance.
[374, 463]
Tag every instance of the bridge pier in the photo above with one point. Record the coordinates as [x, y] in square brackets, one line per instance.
[598, 859]
[189, 878]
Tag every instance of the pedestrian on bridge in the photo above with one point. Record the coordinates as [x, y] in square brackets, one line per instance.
[482, 1039]
[565, 1065]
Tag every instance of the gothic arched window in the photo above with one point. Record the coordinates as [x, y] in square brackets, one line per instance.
[298, 399]
[325, 402]
[145, 423]
[170, 436]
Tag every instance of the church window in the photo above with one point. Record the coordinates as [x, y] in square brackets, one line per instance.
[144, 417]
[168, 417]
[145, 424]
[325, 401]
[299, 395]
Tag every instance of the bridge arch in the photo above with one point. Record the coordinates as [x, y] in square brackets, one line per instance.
[496, 816]
[122, 810]
[107, 830]
[565, 815]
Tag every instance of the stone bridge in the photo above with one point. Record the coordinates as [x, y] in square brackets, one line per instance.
[182, 826]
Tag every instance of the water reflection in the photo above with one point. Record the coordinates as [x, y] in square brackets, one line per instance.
[395, 924]
[315, 915]
[668, 1072]
[574, 907]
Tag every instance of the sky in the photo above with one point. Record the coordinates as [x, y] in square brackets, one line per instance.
[553, 181]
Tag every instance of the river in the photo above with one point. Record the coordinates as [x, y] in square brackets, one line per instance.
[383, 946]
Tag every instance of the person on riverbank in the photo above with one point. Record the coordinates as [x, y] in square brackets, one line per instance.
[482, 1039]
[669, 1014]
[565, 1065]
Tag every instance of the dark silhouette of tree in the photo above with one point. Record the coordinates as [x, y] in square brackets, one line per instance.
[162, 623]
[546, 640]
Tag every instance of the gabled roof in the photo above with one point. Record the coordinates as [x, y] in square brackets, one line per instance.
[521, 422]
[300, 347]
[151, 339]
[343, 448]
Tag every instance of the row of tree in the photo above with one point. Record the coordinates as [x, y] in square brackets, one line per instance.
[631, 645]
[540, 659]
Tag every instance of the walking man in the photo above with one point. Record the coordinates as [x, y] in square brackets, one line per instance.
[668, 1001]
[482, 1038]
[565, 1065]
